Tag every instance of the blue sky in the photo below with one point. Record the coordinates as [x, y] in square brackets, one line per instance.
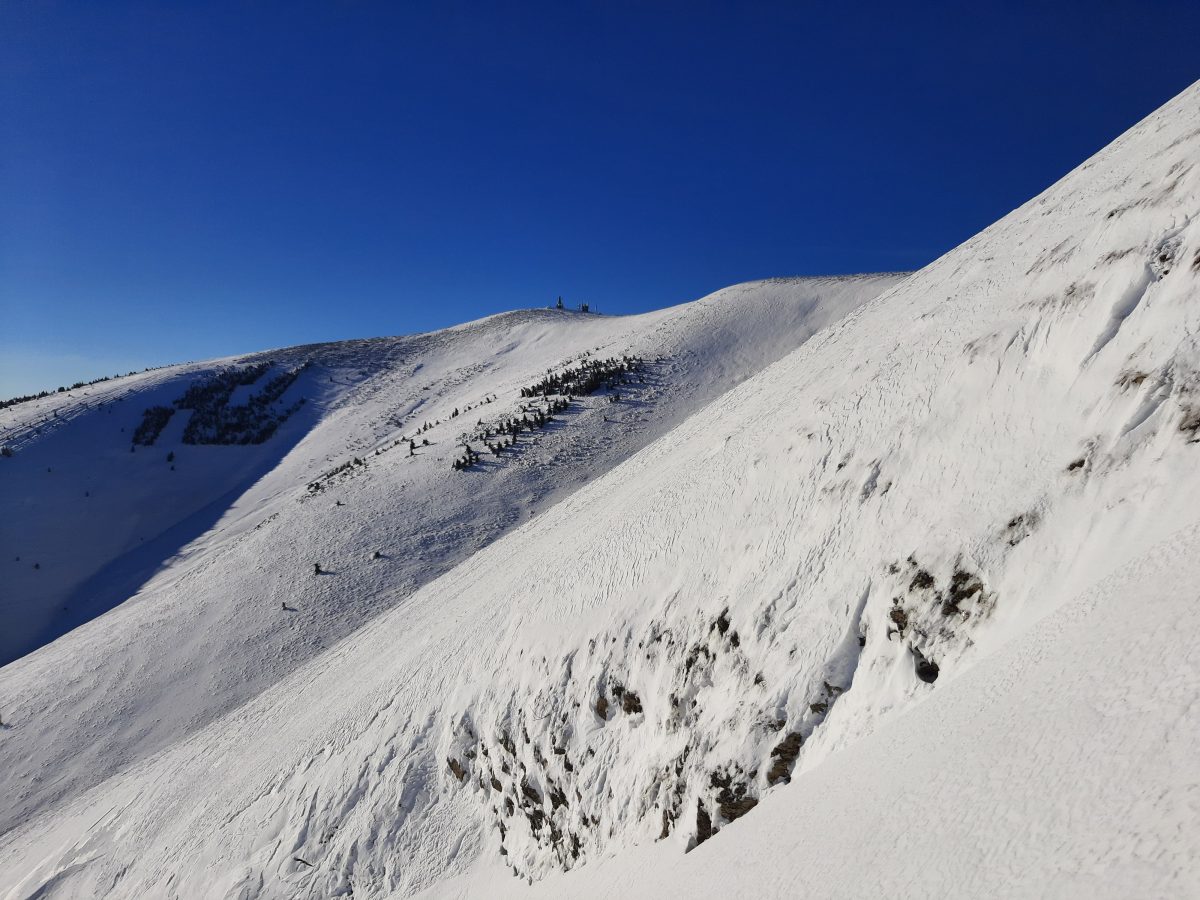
[180, 181]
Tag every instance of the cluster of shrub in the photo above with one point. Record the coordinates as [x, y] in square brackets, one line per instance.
[62, 389]
[214, 392]
[5, 404]
[532, 419]
[154, 420]
[314, 486]
[557, 391]
[214, 421]
[506, 430]
[585, 378]
[468, 459]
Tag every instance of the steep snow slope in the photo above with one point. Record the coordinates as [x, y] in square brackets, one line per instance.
[964, 798]
[217, 543]
[768, 593]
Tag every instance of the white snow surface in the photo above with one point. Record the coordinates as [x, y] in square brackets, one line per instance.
[915, 809]
[991, 466]
[199, 556]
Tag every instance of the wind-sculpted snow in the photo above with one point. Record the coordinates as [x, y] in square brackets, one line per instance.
[963, 798]
[750, 613]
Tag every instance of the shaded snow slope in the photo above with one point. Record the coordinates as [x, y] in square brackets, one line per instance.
[906, 505]
[216, 544]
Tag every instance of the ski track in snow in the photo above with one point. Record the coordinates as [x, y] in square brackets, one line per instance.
[989, 468]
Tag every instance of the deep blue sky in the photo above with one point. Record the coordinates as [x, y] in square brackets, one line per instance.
[180, 181]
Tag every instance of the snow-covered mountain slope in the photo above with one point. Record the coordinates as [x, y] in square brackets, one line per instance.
[964, 796]
[216, 543]
[850, 573]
